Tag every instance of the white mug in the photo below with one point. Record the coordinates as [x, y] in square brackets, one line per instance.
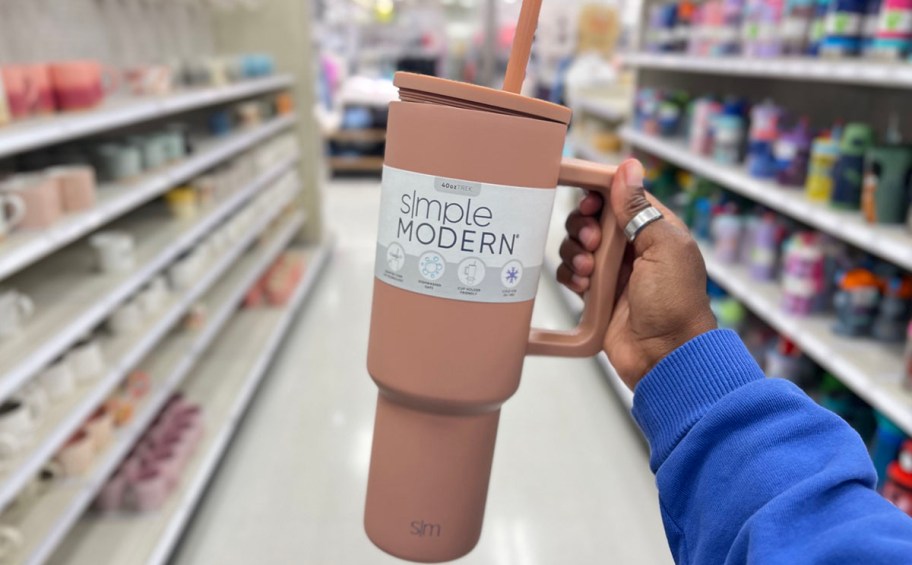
[17, 426]
[114, 251]
[58, 380]
[12, 210]
[152, 298]
[183, 272]
[86, 361]
[36, 400]
[11, 542]
[15, 309]
[126, 319]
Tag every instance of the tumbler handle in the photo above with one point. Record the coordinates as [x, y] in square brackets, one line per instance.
[587, 338]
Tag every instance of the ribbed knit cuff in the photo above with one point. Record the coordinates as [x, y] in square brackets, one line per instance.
[674, 395]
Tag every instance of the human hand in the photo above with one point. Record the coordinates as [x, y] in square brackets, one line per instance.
[661, 295]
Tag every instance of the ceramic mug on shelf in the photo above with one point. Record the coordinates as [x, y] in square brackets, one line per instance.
[40, 195]
[76, 184]
[173, 144]
[114, 251]
[182, 273]
[77, 454]
[150, 80]
[110, 498]
[11, 542]
[12, 211]
[86, 361]
[39, 77]
[58, 380]
[100, 428]
[21, 95]
[126, 319]
[153, 150]
[182, 202]
[15, 309]
[36, 399]
[80, 85]
[117, 161]
[17, 427]
[149, 490]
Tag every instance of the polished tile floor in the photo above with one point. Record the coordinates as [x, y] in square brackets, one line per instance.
[570, 485]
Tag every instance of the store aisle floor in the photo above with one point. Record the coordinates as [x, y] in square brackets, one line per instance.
[571, 483]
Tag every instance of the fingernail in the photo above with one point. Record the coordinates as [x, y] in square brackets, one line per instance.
[586, 235]
[633, 174]
[579, 262]
[580, 282]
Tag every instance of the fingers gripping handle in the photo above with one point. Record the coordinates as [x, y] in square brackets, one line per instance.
[586, 339]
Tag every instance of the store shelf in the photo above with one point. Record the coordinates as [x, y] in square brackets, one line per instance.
[55, 513]
[91, 297]
[123, 354]
[612, 110]
[224, 383]
[846, 71]
[873, 370]
[584, 150]
[893, 243]
[115, 199]
[117, 113]
[356, 163]
[374, 135]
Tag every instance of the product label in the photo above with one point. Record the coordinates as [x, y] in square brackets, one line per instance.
[459, 239]
[843, 24]
[895, 22]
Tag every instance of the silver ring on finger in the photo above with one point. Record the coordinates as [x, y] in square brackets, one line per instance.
[645, 217]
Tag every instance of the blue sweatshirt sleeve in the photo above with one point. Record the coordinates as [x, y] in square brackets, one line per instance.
[751, 470]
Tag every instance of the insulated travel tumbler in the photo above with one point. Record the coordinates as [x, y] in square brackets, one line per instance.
[468, 186]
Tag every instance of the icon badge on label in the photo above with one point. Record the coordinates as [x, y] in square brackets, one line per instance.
[471, 271]
[431, 266]
[395, 257]
[511, 274]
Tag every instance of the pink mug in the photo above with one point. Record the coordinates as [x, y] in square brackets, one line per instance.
[41, 196]
[39, 79]
[79, 85]
[149, 490]
[21, 95]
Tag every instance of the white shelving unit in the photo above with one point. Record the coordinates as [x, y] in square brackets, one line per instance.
[91, 297]
[853, 71]
[123, 355]
[223, 386]
[115, 199]
[39, 132]
[612, 110]
[893, 243]
[52, 517]
[871, 369]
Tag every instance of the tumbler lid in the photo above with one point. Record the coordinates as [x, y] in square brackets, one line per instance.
[424, 88]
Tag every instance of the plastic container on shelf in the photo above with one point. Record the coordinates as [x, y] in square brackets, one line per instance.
[856, 302]
[703, 111]
[849, 168]
[888, 440]
[817, 29]
[843, 34]
[885, 191]
[824, 153]
[727, 229]
[727, 138]
[795, 28]
[764, 131]
[764, 253]
[870, 25]
[894, 310]
[792, 153]
[893, 36]
[907, 359]
[803, 273]
[898, 486]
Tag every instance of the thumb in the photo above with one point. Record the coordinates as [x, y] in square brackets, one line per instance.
[629, 198]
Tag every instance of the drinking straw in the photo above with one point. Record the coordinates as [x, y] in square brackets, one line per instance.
[522, 45]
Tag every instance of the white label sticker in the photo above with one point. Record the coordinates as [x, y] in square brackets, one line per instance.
[460, 239]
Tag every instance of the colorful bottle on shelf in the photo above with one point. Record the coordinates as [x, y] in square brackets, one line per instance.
[730, 33]
[843, 31]
[849, 168]
[824, 153]
[856, 302]
[869, 26]
[703, 111]
[796, 24]
[764, 131]
[893, 38]
[803, 273]
[886, 184]
[728, 138]
[894, 311]
[907, 359]
[792, 152]
[764, 255]
[727, 229]
[888, 440]
[898, 486]
[817, 29]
